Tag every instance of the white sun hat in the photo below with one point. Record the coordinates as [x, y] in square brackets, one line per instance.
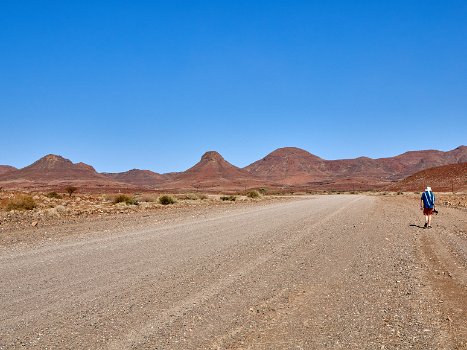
[428, 188]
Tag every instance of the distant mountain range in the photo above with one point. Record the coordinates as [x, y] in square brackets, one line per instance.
[285, 168]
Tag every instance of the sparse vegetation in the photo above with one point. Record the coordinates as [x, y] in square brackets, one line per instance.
[263, 191]
[192, 196]
[123, 198]
[253, 194]
[70, 190]
[53, 195]
[188, 196]
[166, 200]
[229, 198]
[22, 202]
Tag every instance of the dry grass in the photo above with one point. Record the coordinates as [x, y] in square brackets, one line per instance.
[123, 198]
[54, 195]
[253, 194]
[20, 202]
[188, 196]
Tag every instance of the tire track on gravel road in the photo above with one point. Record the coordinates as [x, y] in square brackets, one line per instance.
[135, 337]
[64, 296]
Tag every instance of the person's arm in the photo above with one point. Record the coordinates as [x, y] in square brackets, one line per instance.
[421, 203]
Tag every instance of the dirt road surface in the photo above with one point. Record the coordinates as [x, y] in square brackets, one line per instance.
[325, 272]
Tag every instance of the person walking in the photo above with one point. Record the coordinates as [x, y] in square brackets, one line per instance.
[427, 204]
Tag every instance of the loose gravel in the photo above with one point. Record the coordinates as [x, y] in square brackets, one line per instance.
[324, 272]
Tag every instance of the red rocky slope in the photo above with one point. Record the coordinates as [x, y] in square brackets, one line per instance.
[446, 178]
[54, 171]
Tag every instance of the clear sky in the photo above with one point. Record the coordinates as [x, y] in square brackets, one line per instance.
[155, 84]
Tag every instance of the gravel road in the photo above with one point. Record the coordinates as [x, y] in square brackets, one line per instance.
[324, 272]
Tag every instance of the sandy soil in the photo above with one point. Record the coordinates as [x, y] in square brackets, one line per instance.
[325, 272]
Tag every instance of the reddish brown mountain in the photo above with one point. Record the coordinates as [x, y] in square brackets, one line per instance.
[286, 167]
[6, 168]
[213, 171]
[54, 171]
[452, 177]
[53, 167]
[289, 165]
[296, 167]
[411, 162]
[144, 178]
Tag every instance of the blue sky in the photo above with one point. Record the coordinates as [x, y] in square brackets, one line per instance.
[155, 84]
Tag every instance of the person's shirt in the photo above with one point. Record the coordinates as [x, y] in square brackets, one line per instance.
[428, 199]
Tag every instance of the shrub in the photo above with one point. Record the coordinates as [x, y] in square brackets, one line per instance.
[253, 194]
[21, 203]
[229, 198]
[263, 191]
[53, 195]
[166, 200]
[70, 190]
[202, 196]
[123, 198]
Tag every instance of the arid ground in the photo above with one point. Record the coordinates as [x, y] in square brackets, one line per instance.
[309, 272]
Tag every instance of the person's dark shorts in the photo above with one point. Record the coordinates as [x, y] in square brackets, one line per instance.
[427, 211]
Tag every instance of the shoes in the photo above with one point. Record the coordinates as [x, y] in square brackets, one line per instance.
[429, 227]
[426, 225]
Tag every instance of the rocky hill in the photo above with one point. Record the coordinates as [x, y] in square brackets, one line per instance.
[53, 171]
[446, 178]
[6, 168]
[290, 166]
[287, 168]
[296, 167]
[137, 177]
[212, 172]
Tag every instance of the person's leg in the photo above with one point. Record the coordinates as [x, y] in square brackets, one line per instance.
[429, 220]
[426, 221]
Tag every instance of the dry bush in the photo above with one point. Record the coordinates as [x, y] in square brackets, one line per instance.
[53, 195]
[123, 198]
[3, 203]
[263, 191]
[22, 202]
[166, 200]
[253, 194]
[202, 196]
[229, 198]
[70, 190]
